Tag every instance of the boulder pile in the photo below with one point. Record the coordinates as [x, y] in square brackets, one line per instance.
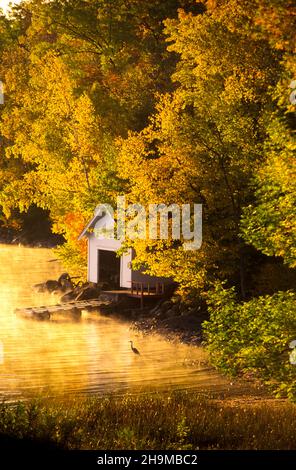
[65, 285]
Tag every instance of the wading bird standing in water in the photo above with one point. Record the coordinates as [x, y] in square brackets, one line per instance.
[134, 349]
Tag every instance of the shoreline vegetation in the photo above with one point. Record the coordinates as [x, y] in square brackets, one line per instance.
[163, 421]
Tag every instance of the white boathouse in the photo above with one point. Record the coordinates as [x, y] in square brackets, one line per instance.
[105, 266]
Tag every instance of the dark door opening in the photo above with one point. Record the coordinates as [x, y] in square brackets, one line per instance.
[109, 268]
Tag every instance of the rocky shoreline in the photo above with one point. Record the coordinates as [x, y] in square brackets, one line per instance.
[173, 320]
[170, 318]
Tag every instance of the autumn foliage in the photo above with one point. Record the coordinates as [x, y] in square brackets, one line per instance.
[172, 101]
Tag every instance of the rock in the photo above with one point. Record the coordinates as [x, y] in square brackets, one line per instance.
[48, 286]
[64, 277]
[88, 293]
[170, 313]
[68, 296]
[51, 286]
[67, 286]
[176, 309]
[162, 315]
[40, 287]
[189, 322]
[185, 313]
[65, 282]
[156, 309]
[165, 305]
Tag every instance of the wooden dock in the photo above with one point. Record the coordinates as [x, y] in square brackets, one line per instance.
[73, 309]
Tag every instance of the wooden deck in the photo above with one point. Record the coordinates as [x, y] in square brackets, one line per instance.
[140, 291]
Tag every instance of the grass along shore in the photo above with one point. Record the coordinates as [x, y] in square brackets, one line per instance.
[179, 421]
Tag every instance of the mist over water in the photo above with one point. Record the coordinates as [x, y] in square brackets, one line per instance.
[92, 355]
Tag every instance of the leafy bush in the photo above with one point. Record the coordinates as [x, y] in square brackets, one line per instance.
[253, 336]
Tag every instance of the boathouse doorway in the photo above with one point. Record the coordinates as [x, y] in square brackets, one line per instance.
[109, 268]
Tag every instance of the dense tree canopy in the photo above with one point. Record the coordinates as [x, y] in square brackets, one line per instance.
[166, 101]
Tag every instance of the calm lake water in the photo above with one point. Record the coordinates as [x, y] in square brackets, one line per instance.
[92, 355]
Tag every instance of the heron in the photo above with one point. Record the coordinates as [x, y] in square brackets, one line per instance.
[134, 349]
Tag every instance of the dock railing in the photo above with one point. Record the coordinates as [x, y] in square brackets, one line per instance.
[141, 289]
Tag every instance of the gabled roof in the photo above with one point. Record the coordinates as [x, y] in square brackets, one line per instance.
[91, 224]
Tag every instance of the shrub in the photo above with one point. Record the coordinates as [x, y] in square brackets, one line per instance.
[253, 336]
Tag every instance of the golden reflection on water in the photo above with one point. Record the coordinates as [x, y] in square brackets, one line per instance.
[92, 355]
